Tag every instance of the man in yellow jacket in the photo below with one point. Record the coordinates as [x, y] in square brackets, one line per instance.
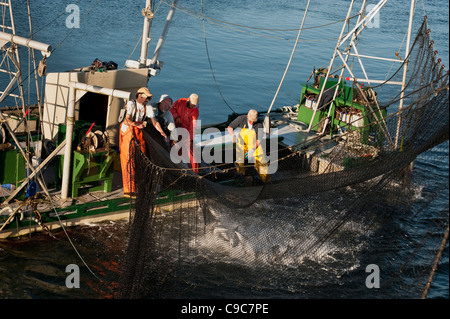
[248, 144]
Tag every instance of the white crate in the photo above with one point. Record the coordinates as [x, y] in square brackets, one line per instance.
[358, 120]
[310, 102]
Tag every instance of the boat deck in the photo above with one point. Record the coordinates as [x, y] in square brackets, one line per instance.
[88, 208]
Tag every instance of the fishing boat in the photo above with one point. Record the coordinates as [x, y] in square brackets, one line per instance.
[59, 158]
[338, 128]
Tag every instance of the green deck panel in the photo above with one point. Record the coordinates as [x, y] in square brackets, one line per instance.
[97, 208]
[12, 170]
[305, 114]
[92, 168]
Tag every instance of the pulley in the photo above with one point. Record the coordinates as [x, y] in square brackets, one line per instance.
[42, 69]
[93, 141]
[16, 213]
[148, 13]
[88, 142]
[102, 139]
[6, 211]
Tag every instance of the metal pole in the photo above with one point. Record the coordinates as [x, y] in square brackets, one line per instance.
[11, 132]
[32, 44]
[162, 38]
[70, 120]
[362, 24]
[330, 66]
[342, 71]
[266, 123]
[405, 69]
[33, 58]
[37, 170]
[145, 35]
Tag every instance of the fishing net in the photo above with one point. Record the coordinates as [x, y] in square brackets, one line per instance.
[308, 233]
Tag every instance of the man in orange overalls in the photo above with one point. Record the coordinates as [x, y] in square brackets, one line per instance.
[185, 114]
[131, 132]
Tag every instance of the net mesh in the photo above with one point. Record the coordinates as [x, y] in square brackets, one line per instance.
[304, 234]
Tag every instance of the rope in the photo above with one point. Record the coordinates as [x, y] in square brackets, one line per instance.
[433, 270]
[67, 36]
[69, 239]
[132, 52]
[56, 18]
[84, 17]
[290, 60]
[194, 13]
[210, 64]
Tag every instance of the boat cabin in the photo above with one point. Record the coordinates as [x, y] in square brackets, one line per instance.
[90, 107]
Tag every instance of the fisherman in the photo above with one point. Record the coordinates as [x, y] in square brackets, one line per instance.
[248, 145]
[185, 113]
[165, 120]
[131, 133]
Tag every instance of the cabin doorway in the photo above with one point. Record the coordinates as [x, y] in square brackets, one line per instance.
[94, 108]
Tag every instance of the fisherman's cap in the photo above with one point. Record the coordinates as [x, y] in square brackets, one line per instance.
[193, 99]
[253, 115]
[163, 97]
[144, 91]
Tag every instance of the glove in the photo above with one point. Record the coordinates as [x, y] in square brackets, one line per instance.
[249, 154]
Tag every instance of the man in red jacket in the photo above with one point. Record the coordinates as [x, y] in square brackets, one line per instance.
[185, 114]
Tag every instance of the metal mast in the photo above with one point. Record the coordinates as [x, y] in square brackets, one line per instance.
[405, 69]
[9, 43]
[148, 16]
[162, 38]
[143, 61]
[346, 46]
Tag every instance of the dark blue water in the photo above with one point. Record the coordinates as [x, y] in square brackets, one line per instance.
[248, 64]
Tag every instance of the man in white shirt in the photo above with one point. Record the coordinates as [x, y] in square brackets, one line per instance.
[164, 117]
[131, 133]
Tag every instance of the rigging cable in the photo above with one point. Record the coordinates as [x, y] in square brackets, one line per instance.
[43, 185]
[290, 60]
[272, 37]
[85, 16]
[191, 12]
[228, 25]
[54, 49]
[210, 64]
[70, 240]
[56, 18]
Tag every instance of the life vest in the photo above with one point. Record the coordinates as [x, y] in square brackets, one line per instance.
[246, 142]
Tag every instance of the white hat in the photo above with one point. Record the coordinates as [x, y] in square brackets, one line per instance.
[193, 98]
[144, 91]
[253, 115]
[163, 97]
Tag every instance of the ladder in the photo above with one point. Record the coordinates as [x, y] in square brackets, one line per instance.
[10, 66]
[10, 62]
